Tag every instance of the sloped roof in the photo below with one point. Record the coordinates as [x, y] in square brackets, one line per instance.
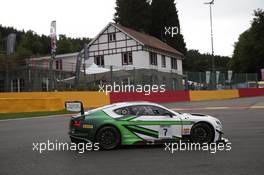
[148, 40]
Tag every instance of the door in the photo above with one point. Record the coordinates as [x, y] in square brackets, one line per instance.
[155, 123]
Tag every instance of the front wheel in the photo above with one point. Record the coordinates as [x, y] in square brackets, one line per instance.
[108, 138]
[202, 133]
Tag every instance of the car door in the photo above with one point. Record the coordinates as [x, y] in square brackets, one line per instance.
[155, 123]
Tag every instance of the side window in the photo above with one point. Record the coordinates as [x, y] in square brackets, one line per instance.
[141, 110]
[159, 111]
[148, 110]
[122, 111]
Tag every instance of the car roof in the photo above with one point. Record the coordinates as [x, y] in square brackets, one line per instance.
[109, 109]
[122, 104]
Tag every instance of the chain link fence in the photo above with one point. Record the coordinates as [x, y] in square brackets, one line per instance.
[220, 80]
[32, 76]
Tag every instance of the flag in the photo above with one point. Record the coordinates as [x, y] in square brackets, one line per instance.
[229, 76]
[262, 74]
[53, 37]
[207, 74]
[217, 76]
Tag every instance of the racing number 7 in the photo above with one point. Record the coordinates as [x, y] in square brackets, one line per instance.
[165, 131]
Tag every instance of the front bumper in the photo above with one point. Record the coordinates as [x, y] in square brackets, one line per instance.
[221, 139]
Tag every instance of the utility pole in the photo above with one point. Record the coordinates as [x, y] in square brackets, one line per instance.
[212, 45]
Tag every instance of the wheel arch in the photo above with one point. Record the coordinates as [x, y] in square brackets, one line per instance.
[209, 124]
[111, 125]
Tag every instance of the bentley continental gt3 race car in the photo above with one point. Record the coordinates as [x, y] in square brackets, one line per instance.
[130, 123]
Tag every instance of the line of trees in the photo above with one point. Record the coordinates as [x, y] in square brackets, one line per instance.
[29, 44]
[197, 62]
[248, 53]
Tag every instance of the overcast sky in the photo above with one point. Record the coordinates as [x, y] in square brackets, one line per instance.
[86, 18]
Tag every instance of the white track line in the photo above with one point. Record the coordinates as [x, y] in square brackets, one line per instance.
[41, 117]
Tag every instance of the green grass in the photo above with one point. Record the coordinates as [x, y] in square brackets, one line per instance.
[30, 114]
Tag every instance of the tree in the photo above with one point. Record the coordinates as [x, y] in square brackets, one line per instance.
[164, 14]
[151, 17]
[248, 53]
[197, 62]
[1, 43]
[24, 47]
[64, 45]
[133, 14]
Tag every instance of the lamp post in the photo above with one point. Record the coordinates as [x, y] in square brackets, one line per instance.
[212, 43]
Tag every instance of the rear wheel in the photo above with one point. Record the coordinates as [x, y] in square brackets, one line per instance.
[108, 138]
[202, 133]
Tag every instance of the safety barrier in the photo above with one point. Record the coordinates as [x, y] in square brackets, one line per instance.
[213, 95]
[54, 101]
[12, 105]
[168, 96]
[251, 92]
[48, 101]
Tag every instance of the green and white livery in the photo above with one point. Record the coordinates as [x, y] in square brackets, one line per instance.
[130, 123]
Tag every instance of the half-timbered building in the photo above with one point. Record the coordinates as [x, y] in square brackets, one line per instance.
[120, 46]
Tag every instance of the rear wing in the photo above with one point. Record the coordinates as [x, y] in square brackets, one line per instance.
[74, 106]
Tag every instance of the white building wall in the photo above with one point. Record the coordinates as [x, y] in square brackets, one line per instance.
[179, 63]
[140, 60]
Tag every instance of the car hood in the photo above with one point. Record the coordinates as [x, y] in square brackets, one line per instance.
[195, 116]
[200, 117]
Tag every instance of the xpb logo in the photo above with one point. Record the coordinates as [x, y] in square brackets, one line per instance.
[172, 31]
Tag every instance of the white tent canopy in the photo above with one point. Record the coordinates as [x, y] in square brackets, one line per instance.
[94, 69]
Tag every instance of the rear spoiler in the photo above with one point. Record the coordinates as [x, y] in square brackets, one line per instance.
[74, 106]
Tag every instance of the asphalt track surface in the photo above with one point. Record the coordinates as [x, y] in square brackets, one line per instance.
[244, 127]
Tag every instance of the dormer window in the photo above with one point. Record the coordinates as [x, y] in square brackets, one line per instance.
[111, 37]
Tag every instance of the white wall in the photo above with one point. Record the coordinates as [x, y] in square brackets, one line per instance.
[140, 60]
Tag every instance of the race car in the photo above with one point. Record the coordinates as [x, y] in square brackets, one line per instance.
[130, 123]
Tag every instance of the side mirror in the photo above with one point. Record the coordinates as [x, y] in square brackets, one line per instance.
[74, 106]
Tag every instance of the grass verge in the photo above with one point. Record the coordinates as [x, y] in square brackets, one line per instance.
[4, 116]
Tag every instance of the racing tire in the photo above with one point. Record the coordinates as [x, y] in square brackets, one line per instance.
[108, 138]
[202, 133]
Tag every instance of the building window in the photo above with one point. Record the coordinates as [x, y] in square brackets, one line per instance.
[127, 58]
[174, 63]
[163, 61]
[111, 37]
[153, 58]
[99, 60]
[58, 64]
